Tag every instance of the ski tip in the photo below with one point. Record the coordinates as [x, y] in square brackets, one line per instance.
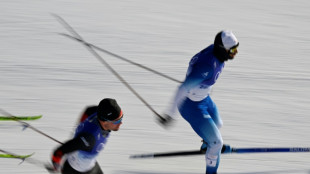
[27, 156]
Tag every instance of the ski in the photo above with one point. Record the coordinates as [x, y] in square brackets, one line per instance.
[26, 118]
[29, 160]
[15, 156]
[225, 150]
[7, 154]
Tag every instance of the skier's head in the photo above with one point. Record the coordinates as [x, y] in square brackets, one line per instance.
[225, 45]
[108, 110]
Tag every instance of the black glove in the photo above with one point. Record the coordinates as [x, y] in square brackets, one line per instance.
[165, 120]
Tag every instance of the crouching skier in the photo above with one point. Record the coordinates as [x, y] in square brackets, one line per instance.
[79, 154]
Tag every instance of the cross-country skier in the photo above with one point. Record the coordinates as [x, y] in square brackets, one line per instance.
[79, 154]
[193, 100]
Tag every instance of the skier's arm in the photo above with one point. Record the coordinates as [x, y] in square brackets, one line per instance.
[196, 75]
[84, 142]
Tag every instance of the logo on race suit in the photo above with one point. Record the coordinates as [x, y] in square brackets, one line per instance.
[206, 116]
[217, 76]
[85, 141]
[211, 160]
[205, 75]
[193, 60]
[214, 79]
[99, 147]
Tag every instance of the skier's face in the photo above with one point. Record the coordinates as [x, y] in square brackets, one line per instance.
[233, 51]
[112, 125]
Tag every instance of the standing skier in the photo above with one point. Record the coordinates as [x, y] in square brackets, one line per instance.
[193, 100]
[90, 138]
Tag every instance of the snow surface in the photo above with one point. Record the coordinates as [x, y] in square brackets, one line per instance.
[263, 95]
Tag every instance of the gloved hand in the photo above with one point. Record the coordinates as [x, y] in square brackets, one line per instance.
[166, 120]
[56, 160]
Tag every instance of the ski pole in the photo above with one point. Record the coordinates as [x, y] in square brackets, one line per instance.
[90, 49]
[27, 125]
[120, 57]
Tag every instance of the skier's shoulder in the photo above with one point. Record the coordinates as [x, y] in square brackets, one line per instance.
[88, 111]
[204, 58]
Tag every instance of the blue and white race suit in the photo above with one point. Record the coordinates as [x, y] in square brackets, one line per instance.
[194, 103]
[88, 141]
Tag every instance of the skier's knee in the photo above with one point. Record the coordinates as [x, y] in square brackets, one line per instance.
[216, 144]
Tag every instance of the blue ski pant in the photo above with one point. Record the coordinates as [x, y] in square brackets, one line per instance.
[205, 120]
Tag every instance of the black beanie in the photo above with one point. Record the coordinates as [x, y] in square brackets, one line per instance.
[108, 110]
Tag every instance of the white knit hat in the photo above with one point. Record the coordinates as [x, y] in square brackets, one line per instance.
[229, 39]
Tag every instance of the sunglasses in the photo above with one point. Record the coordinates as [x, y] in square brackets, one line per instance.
[115, 121]
[233, 50]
